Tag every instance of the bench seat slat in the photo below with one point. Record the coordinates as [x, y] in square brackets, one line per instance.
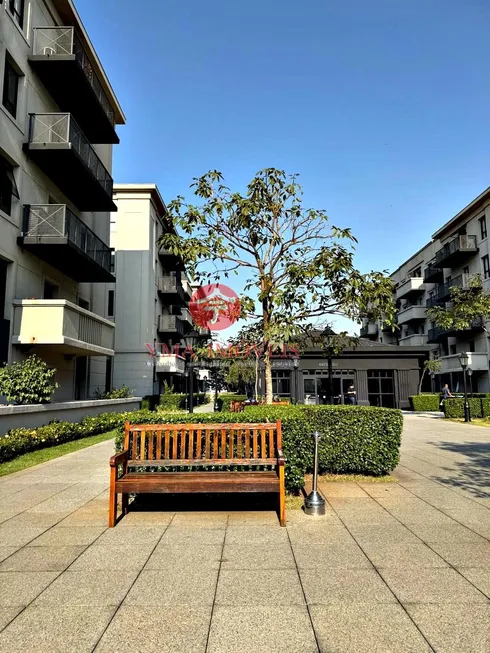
[203, 462]
[189, 482]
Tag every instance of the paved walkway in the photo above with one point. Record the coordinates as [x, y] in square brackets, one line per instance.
[391, 568]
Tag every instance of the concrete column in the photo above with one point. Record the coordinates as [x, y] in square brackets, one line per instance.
[362, 388]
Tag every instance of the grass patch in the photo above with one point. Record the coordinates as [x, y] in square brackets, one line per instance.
[476, 421]
[43, 455]
[294, 502]
[353, 478]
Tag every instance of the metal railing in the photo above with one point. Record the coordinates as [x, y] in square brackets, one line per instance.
[170, 324]
[57, 221]
[431, 272]
[63, 41]
[58, 128]
[459, 244]
[443, 291]
[185, 316]
[169, 284]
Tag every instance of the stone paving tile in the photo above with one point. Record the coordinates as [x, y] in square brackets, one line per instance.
[172, 630]
[145, 518]
[259, 534]
[7, 615]
[370, 628]
[269, 587]
[454, 628]
[38, 519]
[261, 629]
[42, 558]
[257, 517]
[258, 557]
[68, 629]
[479, 576]
[199, 518]
[330, 554]
[464, 554]
[447, 533]
[6, 551]
[88, 588]
[383, 490]
[18, 534]
[338, 489]
[112, 557]
[393, 554]
[430, 586]
[318, 533]
[131, 536]
[183, 534]
[192, 556]
[368, 534]
[77, 535]
[20, 588]
[174, 587]
[345, 585]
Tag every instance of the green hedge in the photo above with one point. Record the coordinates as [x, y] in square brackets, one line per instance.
[425, 402]
[356, 439]
[225, 399]
[177, 401]
[479, 407]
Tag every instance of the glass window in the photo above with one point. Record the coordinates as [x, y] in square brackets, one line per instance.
[309, 385]
[8, 187]
[110, 304]
[17, 10]
[10, 87]
[483, 227]
[486, 266]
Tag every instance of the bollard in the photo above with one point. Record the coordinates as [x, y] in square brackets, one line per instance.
[314, 502]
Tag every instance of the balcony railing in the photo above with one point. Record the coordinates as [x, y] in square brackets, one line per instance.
[477, 361]
[61, 324]
[170, 363]
[369, 330]
[411, 314]
[433, 274]
[55, 43]
[443, 291]
[55, 223]
[58, 129]
[460, 245]
[170, 324]
[411, 286]
[412, 340]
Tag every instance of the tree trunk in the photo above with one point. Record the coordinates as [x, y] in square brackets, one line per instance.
[421, 380]
[268, 378]
[256, 377]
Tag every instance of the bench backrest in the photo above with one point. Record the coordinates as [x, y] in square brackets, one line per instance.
[218, 443]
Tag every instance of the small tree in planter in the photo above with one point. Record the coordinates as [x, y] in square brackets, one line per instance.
[29, 381]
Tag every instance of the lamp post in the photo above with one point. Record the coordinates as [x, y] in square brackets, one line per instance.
[469, 372]
[432, 382]
[296, 379]
[463, 361]
[192, 339]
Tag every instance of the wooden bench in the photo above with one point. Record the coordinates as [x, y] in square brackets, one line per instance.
[236, 406]
[198, 447]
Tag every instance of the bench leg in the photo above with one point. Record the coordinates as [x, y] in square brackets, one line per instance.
[125, 502]
[112, 499]
[282, 497]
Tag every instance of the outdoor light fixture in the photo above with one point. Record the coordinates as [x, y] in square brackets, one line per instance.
[463, 361]
[469, 372]
[296, 362]
[432, 381]
[191, 340]
[314, 502]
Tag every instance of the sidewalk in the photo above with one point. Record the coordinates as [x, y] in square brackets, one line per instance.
[391, 567]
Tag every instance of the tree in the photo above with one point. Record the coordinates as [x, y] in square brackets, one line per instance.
[28, 382]
[432, 365]
[466, 306]
[241, 376]
[299, 267]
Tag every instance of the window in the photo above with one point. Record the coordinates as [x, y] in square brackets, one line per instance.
[280, 382]
[10, 87]
[471, 345]
[417, 273]
[483, 227]
[83, 303]
[381, 388]
[8, 187]
[486, 266]
[110, 304]
[50, 290]
[17, 10]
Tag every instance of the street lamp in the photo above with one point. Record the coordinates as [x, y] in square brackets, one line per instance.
[191, 339]
[432, 382]
[463, 361]
[469, 372]
[296, 379]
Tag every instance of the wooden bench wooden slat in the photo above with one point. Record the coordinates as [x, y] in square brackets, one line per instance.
[198, 447]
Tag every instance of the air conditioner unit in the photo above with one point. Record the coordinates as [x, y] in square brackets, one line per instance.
[48, 51]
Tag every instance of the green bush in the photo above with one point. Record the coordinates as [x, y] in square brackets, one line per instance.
[225, 399]
[425, 402]
[178, 401]
[27, 382]
[479, 407]
[356, 439]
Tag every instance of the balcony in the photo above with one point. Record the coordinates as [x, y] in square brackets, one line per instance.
[433, 274]
[66, 71]
[478, 361]
[187, 289]
[186, 317]
[170, 261]
[411, 314]
[410, 288]
[54, 234]
[443, 292]
[369, 331]
[59, 147]
[171, 290]
[456, 251]
[4, 341]
[171, 325]
[413, 340]
[61, 325]
[438, 335]
[170, 364]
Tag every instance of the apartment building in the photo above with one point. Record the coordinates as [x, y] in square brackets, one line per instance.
[58, 117]
[457, 251]
[149, 300]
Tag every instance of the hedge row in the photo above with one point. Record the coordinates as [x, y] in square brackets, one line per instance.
[177, 401]
[425, 402]
[356, 439]
[479, 407]
[225, 399]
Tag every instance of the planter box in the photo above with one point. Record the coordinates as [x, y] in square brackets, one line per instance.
[13, 417]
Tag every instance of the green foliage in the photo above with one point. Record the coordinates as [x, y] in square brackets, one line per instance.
[479, 406]
[27, 382]
[178, 401]
[225, 399]
[425, 402]
[240, 374]
[468, 306]
[356, 439]
[116, 393]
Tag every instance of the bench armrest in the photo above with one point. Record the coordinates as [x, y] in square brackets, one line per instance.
[119, 458]
[280, 458]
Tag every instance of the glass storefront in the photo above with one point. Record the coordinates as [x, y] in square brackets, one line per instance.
[381, 388]
[316, 386]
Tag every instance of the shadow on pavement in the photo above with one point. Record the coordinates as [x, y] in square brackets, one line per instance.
[473, 475]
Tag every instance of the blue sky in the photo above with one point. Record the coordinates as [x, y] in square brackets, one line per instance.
[381, 106]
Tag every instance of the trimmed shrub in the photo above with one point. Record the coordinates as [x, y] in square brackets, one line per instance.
[425, 402]
[177, 401]
[29, 381]
[356, 439]
[479, 407]
[225, 399]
